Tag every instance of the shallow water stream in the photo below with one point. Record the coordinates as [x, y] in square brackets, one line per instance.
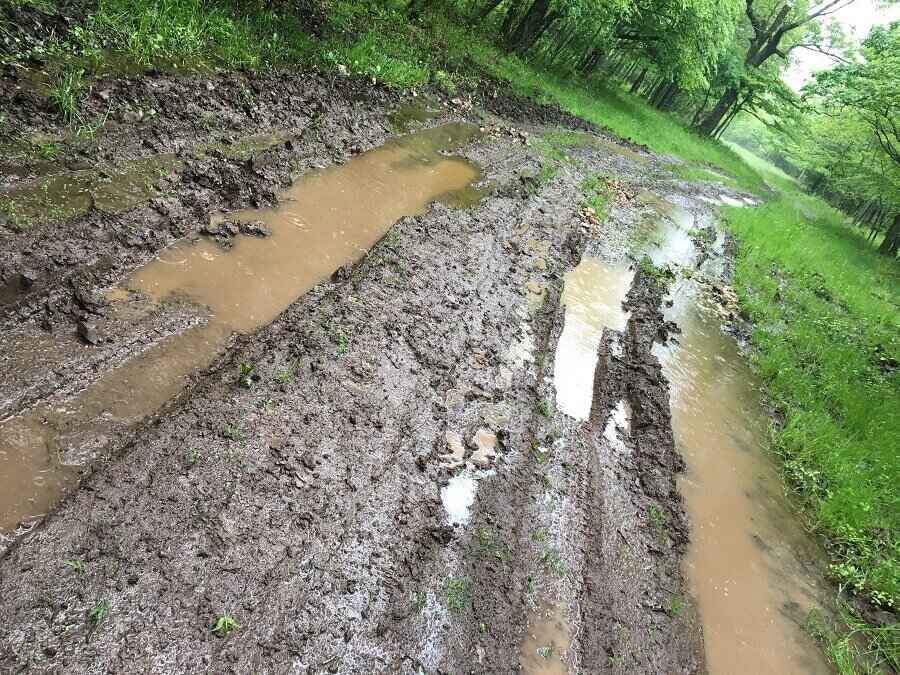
[327, 219]
[752, 568]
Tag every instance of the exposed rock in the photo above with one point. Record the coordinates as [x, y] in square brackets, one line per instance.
[485, 441]
[255, 228]
[89, 333]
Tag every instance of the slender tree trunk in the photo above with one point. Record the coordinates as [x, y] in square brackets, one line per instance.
[483, 13]
[636, 85]
[537, 19]
[891, 242]
[702, 108]
[712, 121]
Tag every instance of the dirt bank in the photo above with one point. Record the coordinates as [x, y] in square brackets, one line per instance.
[395, 490]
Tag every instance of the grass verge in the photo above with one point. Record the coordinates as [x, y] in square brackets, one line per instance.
[824, 305]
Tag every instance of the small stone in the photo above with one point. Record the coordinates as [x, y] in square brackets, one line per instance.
[455, 449]
[309, 461]
[89, 333]
[27, 278]
[255, 228]
[212, 229]
[486, 442]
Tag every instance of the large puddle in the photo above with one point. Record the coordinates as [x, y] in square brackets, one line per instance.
[750, 562]
[750, 565]
[327, 219]
[593, 294]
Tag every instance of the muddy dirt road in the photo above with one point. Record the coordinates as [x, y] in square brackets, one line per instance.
[303, 405]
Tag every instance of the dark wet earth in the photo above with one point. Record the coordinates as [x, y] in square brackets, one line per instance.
[390, 411]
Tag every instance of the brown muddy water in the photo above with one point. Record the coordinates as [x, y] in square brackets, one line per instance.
[752, 568]
[592, 295]
[547, 640]
[327, 219]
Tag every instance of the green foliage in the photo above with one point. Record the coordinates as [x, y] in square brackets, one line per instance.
[233, 433]
[458, 593]
[854, 646]
[245, 374]
[224, 624]
[596, 194]
[676, 605]
[98, 612]
[825, 338]
[65, 93]
[75, 565]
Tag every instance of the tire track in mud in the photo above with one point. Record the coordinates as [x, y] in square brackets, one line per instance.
[309, 508]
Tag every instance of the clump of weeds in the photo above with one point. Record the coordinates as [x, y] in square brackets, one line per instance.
[192, 456]
[545, 408]
[245, 374]
[233, 433]
[98, 612]
[286, 375]
[676, 604]
[552, 560]
[65, 93]
[342, 341]
[75, 565]
[487, 544]
[458, 592]
[224, 624]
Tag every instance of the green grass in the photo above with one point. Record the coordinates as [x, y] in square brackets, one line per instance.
[854, 646]
[65, 92]
[458, 594]
[824, 305]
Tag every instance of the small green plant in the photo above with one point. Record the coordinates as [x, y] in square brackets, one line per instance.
[676, 604]
[419, 601]
[232, 433]
[596, 193]
[540, 454]
[75, 565]
[65, 93]
[245, 374]
[444, 82]
[661, 274]
[285, 375]
[656, 516]
[341, 341]
[539, 536]
[192, 456]
[47, 149]
[487, 544]
[545, 408]
[545, 652]
[458, 592]
[98, 612]
[552, 560]
[223, 625]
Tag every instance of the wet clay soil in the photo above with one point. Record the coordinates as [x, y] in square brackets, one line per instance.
[326, 220]
[397, 483]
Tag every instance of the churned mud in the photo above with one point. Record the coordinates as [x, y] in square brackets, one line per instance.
[385, 403]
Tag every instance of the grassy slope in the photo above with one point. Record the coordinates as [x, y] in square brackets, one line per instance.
[824, 305]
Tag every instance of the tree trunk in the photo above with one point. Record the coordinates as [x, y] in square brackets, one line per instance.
[532, 25]
[702, 107]
[712, 121]
[891, 238]
[636, 85]
[479, 16]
